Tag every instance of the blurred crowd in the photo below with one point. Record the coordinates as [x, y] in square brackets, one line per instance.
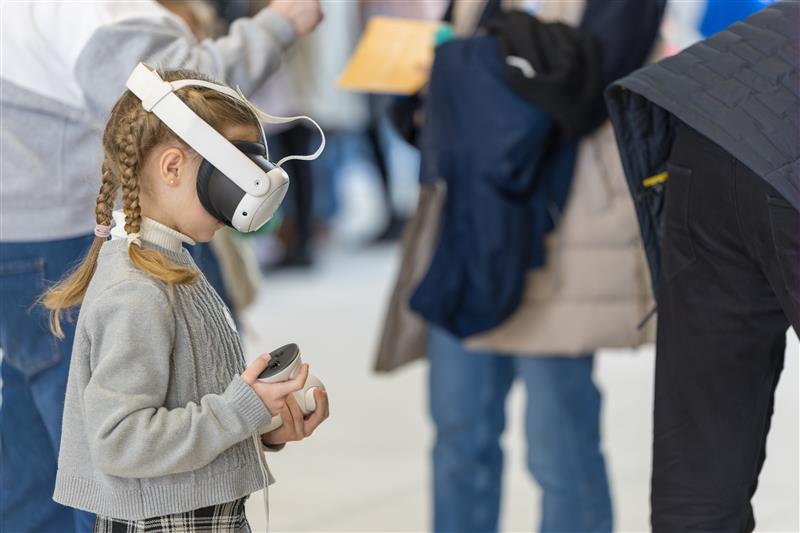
[533, 231]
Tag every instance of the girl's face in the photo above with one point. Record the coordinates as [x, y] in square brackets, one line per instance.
[169, 187]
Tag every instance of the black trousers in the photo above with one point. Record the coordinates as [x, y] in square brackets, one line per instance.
[730, 288]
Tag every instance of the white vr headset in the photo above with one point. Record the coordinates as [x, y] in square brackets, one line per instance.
[236, 182]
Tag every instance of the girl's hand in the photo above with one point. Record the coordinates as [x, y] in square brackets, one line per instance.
[296, 427]
[273, 395]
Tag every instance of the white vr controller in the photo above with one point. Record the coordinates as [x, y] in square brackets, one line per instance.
[285, 365]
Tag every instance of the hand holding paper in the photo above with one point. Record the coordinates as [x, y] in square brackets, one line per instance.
[393, 57]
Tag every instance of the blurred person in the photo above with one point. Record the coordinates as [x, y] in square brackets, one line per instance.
[339, 193]
[381, 104]
[394, 223]
[296, 229]
[306, 85]
[158, 394]
[516, 292]
[710, 143]
[280, 95]
[64, 65]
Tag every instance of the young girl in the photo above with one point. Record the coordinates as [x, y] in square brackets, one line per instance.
[160, 423]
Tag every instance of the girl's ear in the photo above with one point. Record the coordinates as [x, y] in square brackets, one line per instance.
[170, 165]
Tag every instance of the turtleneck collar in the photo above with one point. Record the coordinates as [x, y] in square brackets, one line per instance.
[152, 232]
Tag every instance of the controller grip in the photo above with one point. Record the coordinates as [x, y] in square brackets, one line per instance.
[305, 399]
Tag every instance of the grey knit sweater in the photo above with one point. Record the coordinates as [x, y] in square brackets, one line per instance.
[156, 418]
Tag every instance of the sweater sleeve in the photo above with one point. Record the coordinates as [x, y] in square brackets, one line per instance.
[246, 56]
[131, 329]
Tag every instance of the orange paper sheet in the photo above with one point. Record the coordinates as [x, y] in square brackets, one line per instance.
[392, 57]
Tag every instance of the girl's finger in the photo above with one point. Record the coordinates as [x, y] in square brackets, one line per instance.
[320, 413]
[251, 373]
[297, 415]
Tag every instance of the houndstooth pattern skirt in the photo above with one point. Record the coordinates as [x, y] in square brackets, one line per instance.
[221, 518]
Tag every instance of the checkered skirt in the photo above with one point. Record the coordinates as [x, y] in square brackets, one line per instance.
[221, 518]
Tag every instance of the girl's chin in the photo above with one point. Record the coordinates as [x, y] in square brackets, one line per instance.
[207, 235]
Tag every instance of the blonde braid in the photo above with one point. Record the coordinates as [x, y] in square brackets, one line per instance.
[129, 159]
[105, 198]
[70, 292]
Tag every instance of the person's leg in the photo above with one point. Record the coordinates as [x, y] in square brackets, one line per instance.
[719, 351]
[48, 389]
[35, 367]
[325, 172]
[27, 463]
[467, 402]
[772, 229]
[564, 453]
[297, 141]
[378, 109]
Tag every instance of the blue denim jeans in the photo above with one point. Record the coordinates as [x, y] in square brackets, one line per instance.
[34, 378]
[468, 394]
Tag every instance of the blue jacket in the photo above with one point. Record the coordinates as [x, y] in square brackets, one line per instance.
[507, 176]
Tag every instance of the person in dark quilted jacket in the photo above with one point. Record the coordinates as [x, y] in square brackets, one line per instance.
[710, 142]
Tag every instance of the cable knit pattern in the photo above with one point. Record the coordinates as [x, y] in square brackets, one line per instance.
[156, 420]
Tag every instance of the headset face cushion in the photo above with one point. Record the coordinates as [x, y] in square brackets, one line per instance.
[219, 195]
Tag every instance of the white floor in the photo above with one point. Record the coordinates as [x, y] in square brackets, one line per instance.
[366, 468]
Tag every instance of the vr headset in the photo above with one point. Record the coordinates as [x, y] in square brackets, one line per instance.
[236, 183]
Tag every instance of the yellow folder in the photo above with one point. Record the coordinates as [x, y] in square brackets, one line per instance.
[393, 56]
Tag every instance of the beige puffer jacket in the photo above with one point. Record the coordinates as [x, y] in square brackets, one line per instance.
[594, 290]
[595, 287]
